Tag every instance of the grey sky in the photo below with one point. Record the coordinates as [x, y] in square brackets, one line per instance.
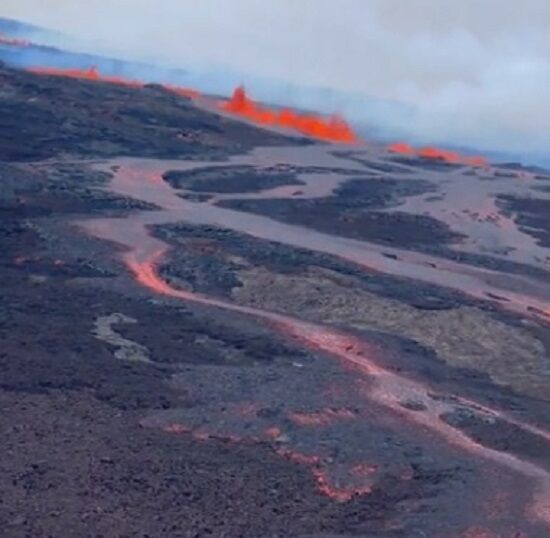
[477, 71]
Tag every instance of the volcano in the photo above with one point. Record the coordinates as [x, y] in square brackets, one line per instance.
[225, 318]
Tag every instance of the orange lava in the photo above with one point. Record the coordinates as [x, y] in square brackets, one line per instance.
[401, 148]
[436, 154]
[333, 129]
[145, 274]
[475, 161]
[93, 74]
[337, 494]
[85, 74]
[13, 42]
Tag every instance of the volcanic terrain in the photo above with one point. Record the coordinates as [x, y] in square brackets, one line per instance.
[221, 320]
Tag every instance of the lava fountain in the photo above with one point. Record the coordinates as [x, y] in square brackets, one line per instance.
[333, 129]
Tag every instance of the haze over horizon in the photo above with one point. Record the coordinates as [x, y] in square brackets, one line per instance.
[474, 74]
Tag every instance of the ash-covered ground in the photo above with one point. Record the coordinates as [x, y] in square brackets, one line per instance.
[210, 329]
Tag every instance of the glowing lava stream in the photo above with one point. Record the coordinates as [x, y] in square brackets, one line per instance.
[386, 388]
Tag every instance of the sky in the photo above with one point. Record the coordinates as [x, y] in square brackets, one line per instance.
[471, 72]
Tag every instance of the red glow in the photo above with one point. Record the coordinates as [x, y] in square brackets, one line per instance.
[85, 74]
[388, 389]
[475, 161]
[436, 154]
[401, 148]
[333, 129]
[93, 74]
[337, 494]
[145, 275]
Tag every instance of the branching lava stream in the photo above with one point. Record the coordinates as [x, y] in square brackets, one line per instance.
[384, 388]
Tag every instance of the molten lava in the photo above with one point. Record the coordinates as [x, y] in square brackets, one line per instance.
[436, 154]
[333, 129]
[401, 148]
[93, 74]
[85, 74]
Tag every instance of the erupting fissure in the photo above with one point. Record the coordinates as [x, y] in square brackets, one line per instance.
[333, 129]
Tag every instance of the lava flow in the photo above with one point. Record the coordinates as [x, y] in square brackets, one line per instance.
[93, 74]
[333, 129]
[436, 154]
[384, 388]
[388, 391]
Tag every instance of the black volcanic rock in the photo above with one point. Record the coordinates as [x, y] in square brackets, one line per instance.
[49, 116]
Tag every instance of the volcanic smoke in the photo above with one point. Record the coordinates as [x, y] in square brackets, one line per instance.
[331, 129]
